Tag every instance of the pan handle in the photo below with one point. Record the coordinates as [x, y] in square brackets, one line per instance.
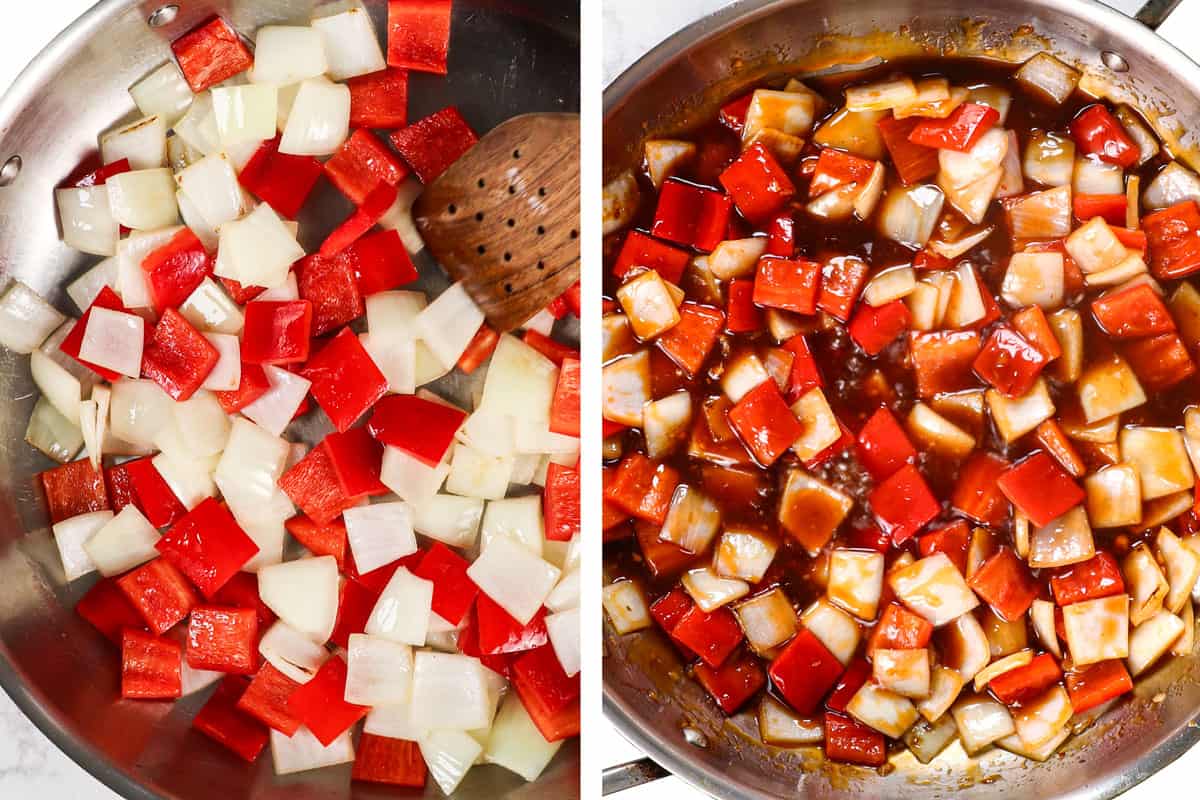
[631, 774]
[1155, 12]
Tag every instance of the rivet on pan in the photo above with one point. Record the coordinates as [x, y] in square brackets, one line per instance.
[694, 737]
[1114, 61]
[10, 171]
[163, 16]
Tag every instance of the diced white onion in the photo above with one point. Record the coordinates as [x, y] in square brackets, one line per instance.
[399, 217]
[164, 92]
[1173, 184]
[909, 214]
[245, 113]
[319, 121]
[450, 692]
[403, 611]
[286, 54]
[379, 534]
[448, 324]
[211, 310]
[410, 478]
[379, 671]
[351, 45]
[71, 536]
[515, 742]
[981, 721]
[139, 411]
[52, 433]
[1049, 158]
[87, 220]
[292, 652]
[114, 340]
[57, 385]
[26, 319]
[275, 409]
[303, 593]
[449, 518]
[1050, 77]
[258, 249]
[143, 199]
[516, 579]
[449, 756]
[198, 127]
[126, 541]
[142, 143]
[211, 185]
[1093, 176]
[302, 751]
[226, 376]
[286, 292]
[84, 290]
[189, 478]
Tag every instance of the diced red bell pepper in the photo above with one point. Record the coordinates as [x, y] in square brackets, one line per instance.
[108, 610]
[741, 315]
[396, 762]
[791, 285]
[1032, 324]
[266, 699]
[1099, 576]
[345, 381]
[1006, 584]
[282, 181]
[960, 131]
[223, 639]
[479, 350]
[689, 215]
[837, 168]
[759, 186]
[550, 697]
[1022, 684]
[555, 351]
[913, 162]
[362, 163]
[900, 629]
[210, 54]
[221, 721]
[1095, 684]
[254, 385]
[781, 236]
[1050, 435]
[499, 633]
[330, 285]
[883, 446]
[107, 298]
[764, 423]
[857, 673]
[313, 485]
[355, 604]
[453, 591]
[120, 487]
[873, 328]
[357, 459]
[1132, 239]
[321, 540]
[320, 704]
[804, 672]
[174, 270]
[432, 144]
[842, 280]
[1009, 363]
[642, 488]
[692, 339]
[976, 493]
[241, 294]
[664, 559]
[561, 503]
[733, 113]
[1173, 238]
[903, 504]
[160, 593]
[74, 488]
[1160, 362]
[849, 741]
[564, 409]
[1109, 207]
[420, 427]
[1097, 132]
[178, 357]
[668, 610]
[712, 636]
[96, 177]
[1133, 313]
[1040, 488]
[208, 546]
[379, 100]
[804, 374]
[418, 34]
[242, 592]
[640, 250]
[151, 668]
[369, 212]
[953, 540]
[733, 683]
[943, 361]
[840, 446]
[151, 493]
[869, 537]
[379, 262]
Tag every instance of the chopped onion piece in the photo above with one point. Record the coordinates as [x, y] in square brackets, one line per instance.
[59, 387]
[1173, 184]
[1049, 77]
[898, 92]
[449, 519]
[1097, 630]
[212, 187]
[516, 579]
[227, 374]
[1151, 639]
[189, 478]
[302, 751]
[981, 721]
[934, 588]
[566, 593]
[124, 542]
[198, 128]
[411, 479]
[885, 711]
[379, 671]
[450, 692]
[520, 381]
[52, 433]
[909, 214]
[625, 605]
[1034, 279]
[517, 518]
[476, 474]
[1041, 215]
[258, 249]
[448, 324]
[1093, 176]
[275, 409]
[245, 113]
[1161, 459]
[131, 252]
[992, 96]
[267, 531]
[515, 742]
[964, 646]
[350, 43]
[1049, 158]
[621, 197]
[26, 320]
[449, 756]
[665, 156]
[894, 283]
[379, 534]
[856, 581]
[1141, 134]
[164, 93]
[71, 536]
[563, 628]
[1063, 541]
[778, 725]
[319, 121]
[142, 143]
[84, 290]
[402, 612]
[114, 340]
[303, 593]
[960, 169]
[87, 220]
[139, 411]
[143, 199]
[1015, 417]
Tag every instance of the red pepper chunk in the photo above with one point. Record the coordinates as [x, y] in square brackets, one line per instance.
[160, 593]
[379, 100]
[712, 636]
[379, 262]
[960, 131]
[900, 629]
[1097, 132]
[1009, 363]
[564, 409]
[733, 113]
[1040, 488]
[842, 280]
[254, 385]
[976, 493]
[555, 351]
[320, 540]
[178, 357]
[223, 639]
[1005, 583]
[642, 488]
[1110, 207]
[857, 673]
[849, 741]
[733, 683]
[282, 181]
[277, 332]
[764, 423]
[804, 672]
[107, 609]
[883, 446]
[266, 699]
[98, 176]
[453, 591]
[692, 339]
[943, 361]
[479, 349]
[873, 328]
[395, 762]
[913, 162]
[355, 604]
[499, 633]
[312, 484]
[241, 294]
[837, 168]
[1133, 313]
[361, 164]
[953, 540]
[804, 374]
[332, 288]
[781, 235]
[221, 721]
[242, 592]
[357, 459]
[548, 694]
[757, 183]
[690, 215]
[1096, 684]
[418, 34]
[369, 212]
[1173, 239]
[208, 546]
[640, 250]
[420, 427]
[432, 144]
[1099, 576]
[320, 704]
[1032, 324]
[1049, 435]
[561, 503]
[151, 668]
[1160, 362]
[1025, 683]
[152, 495]
[741, 314]
[211, 53]
[903, 504]
[790, 285]
[174, 270]
[108, 299]
[74, 488]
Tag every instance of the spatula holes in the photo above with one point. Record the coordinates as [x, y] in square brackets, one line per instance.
[541, 191]
[482, 184]
[10, 171]
[508, 256]
[481, 250]
[508, 287]
[516, 154]
[163, 16]
[479, 216]
[512, 190]
[541, 265]
[541, 230]
[574, 234]
[512, 223]
[452, 210]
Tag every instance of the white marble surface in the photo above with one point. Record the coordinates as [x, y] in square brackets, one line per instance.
[632, 27]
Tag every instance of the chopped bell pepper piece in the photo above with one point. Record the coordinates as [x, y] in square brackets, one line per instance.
[1160, 362]
[561, 504]
[849, 741]
[1005, 583]
[178, 357]
[174, 270]
[108, 610]
[379, 100]
[418, 34]
[842, 281]
[1097, 132]
[320, 540]
[1040, 488]
[453, 590]
[913, 162]
[277, 332]
[330, 285]
[1009, 362]
[883, 446]
[254, 385]
[420, 427]
[804, 672]
[72, 489]
[960, 131]
[396, 762]
[282, 181]
[903, 504]
[266, 699]
[692, 339]
[757, 183]
[640, 250]
[764, 423]
[977, 494]
[713, 637]
[943, 361]
[741, 314]
[357, 459]
[432, 144]
[690, 215]
[1133, 313]
[362, 163]
[1096, 684]
[643, 488]
[1109, 207]
[151, 668]
[1022, 684]
[790, 285]
[222, 721]
[210, 54]
[208, 546]
[369, 212]
[223, 639]
[549, 696]
[160, 593]
[312, 484]
[320, 704]
[1173, 238]
[733, 683]
[874, 328]
[1099, 576]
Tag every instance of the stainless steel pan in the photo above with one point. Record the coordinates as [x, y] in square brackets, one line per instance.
[682, 81]
[507, 57]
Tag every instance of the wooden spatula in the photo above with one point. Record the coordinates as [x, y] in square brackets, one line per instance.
[504, 218]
